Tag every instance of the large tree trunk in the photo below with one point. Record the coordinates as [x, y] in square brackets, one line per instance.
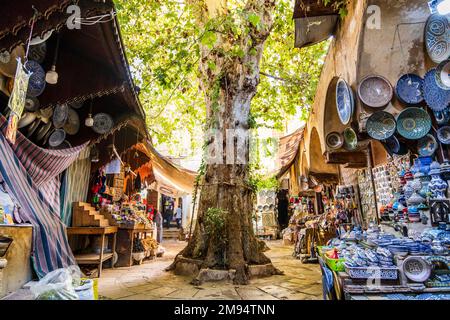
[229, 83]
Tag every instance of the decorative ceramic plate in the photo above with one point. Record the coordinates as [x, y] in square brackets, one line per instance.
[32, 104]
[57, 137]
[103, 123]
[443, 135]
[436, 98]
[38, 40]
[350, 139]
[76, 104]
[43, 131]
[437, 37]
[344, 101]
[375, 91]
[381, 125]
[392, 144]
[38, 52]
[427, 146]
[36, 85]
[72, 125]
[409, 89]
[26, 119]
[32, 128]
[46, 112]
[60, 115]
[416, 269]
[413, 123]
[443, 75]
[335, 140]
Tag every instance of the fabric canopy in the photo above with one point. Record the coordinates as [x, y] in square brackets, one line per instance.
[287, 150]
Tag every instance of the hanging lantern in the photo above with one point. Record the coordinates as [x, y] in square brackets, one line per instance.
[95, 156]
[52, 76]
[89, 121]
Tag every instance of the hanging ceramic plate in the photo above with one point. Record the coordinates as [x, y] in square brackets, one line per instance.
[443, 75]
[392, 144]
[26, 119]
[36, 85]
[375, 91]
[350, 139]
[413, 123]
[334, 140]
[60, 115]
[437, 37]
[46, 113]
[33, 127]
[43, 131]
[103, 123]
[8, 61]
[344, 101]
[32, 104]
[38, 40]
[381, 125]
[427, 146]
[57, 137]
[443, 135]
[38, 52]
[76, 104]
[409, 89]
[436, 98]
[72, 125]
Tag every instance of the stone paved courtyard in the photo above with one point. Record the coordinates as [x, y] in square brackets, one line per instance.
[149, 281]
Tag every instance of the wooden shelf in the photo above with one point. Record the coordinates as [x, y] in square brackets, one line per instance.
[92, 258]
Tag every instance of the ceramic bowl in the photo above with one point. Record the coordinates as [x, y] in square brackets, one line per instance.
[443, 75]
[344, 101]
[26, 119]
[416, 269]
[427, 145]
[443, 135]
[36, 84]
[375, 91]
[350, 139]
[392, 145]
[335, 140]
[437, 35]
[413, 123]
[435, 97]
[381, 125]
[409, 89]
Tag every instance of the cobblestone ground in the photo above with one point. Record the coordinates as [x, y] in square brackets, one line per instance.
[149, 281]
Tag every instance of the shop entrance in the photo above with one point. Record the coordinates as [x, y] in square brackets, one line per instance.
[168, 211]
[283, 204]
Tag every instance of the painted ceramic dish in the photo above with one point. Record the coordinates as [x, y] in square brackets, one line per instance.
[437, 38]
[72, 125]
[38, 52]
[443, 135]
[36, 85]
[392, 145]
[60, 115]
[381, 125]
[436, 98]
[26, 119]
[32, 104]
[40, 39]
[409, 89]
[57, 137]
[335, 140]
[103, 123]
[43, 131]
[32, 128]
[413, 123]
[375, 91]
[416, 269]
[344, 101]
[350, 139]
[427, 146]
[443, 75]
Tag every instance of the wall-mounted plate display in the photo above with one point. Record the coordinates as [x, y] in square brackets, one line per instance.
[413, 123]
[345, 103]
[36, 84]
[436, 98]
[437, 38]
[409, 89]
[375, 91]
[381, 125]
[427, 146]
[443, 75]
[350, 139]
[443, 134]
[334, 140]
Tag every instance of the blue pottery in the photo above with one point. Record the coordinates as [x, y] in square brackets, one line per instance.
[437, 186]
[409, 89]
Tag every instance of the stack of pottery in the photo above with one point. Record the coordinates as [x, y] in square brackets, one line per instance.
[424, 168]
[413, 202]
[408, 189]
[437, 186]
[445, 171]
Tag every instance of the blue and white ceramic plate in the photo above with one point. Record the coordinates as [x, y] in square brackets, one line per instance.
[427, 146]
[409, 89]
[413, 123]
[36, 85]
[392, 144]
[437, 37]
[381, 125]
[436, 98]
[443, 134]
[344, 101]
[443, 75]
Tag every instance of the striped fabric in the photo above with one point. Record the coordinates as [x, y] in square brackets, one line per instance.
[50, 246]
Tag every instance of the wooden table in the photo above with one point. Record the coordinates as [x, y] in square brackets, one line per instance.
[125, 242]
[95, 258]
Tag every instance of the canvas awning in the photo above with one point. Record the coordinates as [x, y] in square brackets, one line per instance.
[288, 149]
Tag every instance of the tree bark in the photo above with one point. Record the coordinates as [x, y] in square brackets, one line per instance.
[230, 82]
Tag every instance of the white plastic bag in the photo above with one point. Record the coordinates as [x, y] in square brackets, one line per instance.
[86, 290]
[58, 285]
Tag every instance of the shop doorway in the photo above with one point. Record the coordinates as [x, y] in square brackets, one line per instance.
[168, 211]
[283, 205]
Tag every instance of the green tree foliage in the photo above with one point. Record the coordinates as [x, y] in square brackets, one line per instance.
[162, 40]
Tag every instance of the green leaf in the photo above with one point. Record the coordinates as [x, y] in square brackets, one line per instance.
[254, 19]
[209, 39]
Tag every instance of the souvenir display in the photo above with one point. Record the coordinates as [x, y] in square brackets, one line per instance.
[103, 123]
[409, 89]
[427, 145]
[344, 101]
[335, 140]
[436, 98]
[413, 123]
[381, 125]
[350, 139]
[437, 35]
[36, 85]
[375, 91]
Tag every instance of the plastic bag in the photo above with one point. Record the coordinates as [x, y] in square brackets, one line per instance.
[86, 290]
[59, 284]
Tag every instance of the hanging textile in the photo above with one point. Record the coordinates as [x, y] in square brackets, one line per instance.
[50, 246]
[75, 185]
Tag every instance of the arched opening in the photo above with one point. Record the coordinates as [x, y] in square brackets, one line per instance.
[317, 163]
